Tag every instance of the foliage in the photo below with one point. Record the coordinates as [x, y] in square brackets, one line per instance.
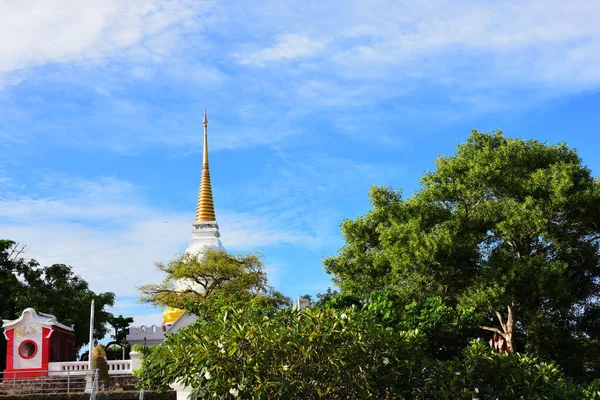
[254, 353]
[99, 362]
[264, 353]
[504, 228]
[592, 391]
[479, 374]
[11, 267]
[337, 300]
[192, 278]
[116, 352]
[52, 289]
[138, 348]
[447, 330]
[120, 325]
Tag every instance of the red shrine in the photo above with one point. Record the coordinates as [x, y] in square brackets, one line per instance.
[34, 340]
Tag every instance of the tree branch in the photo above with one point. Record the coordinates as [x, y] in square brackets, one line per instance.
[172, 291]
[16, 251]
[489, 328]
[502, 324]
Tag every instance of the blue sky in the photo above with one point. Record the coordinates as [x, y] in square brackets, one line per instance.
[309, 103]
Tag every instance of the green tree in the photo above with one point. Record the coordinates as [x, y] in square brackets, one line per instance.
[506, 228]
[120, 325]
[191, 280]
[447, 329]
[11, 268]
[53, 289]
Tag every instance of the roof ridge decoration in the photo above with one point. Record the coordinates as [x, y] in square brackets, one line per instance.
[205, 210]
[40, 318]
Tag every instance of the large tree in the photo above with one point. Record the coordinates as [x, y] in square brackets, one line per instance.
[53, 289]
[191, 279]
[505, 227]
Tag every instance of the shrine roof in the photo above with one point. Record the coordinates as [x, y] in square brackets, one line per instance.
[38, 317]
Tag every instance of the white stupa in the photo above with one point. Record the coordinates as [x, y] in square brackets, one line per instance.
[205, 232]
[205, 236]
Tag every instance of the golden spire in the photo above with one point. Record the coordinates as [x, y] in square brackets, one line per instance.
[205, 212]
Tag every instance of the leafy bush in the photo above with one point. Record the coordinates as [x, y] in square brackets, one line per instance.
[592, 391]
[480, 374]
[287, 354]
[99, 363]
[138, 348]
[338, 354]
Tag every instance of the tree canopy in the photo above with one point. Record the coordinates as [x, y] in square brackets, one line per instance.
[120, 325]
[53, 289]
[191, 279]
[506, 229]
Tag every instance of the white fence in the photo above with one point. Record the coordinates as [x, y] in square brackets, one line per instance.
[115, 367]
[148, 336]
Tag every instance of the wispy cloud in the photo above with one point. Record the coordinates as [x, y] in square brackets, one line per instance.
[300, 195]
[7, 140]
[467, 46]
[60, 32]
[112, 237]
[326, 60]
[288, 47]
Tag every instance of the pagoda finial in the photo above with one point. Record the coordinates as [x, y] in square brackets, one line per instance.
[205, 154]
[205, 212]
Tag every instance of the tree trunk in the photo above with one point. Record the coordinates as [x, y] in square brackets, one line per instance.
[510, 326]
[507, 331]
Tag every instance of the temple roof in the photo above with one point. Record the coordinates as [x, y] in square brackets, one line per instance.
[171, 315]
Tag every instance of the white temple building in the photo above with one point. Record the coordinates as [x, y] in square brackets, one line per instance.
[205, 235]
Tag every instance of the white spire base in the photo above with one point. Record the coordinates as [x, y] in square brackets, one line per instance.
[205, 236]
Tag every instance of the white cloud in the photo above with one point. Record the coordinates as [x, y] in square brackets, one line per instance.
[7, 140]
[493, 42]
[247, 231]
[34, 33]
[471, 56]
[550, 43]
[288, 47]
[468, 43]
[112, 238]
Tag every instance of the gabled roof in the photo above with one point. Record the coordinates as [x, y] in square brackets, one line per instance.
[184, 320]
[40, 318]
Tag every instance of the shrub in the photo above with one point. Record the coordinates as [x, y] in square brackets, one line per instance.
[288, 355]
[99, 363]
[480, 374]
[338, 354]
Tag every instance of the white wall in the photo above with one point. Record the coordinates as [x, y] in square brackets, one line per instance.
[27, 330]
